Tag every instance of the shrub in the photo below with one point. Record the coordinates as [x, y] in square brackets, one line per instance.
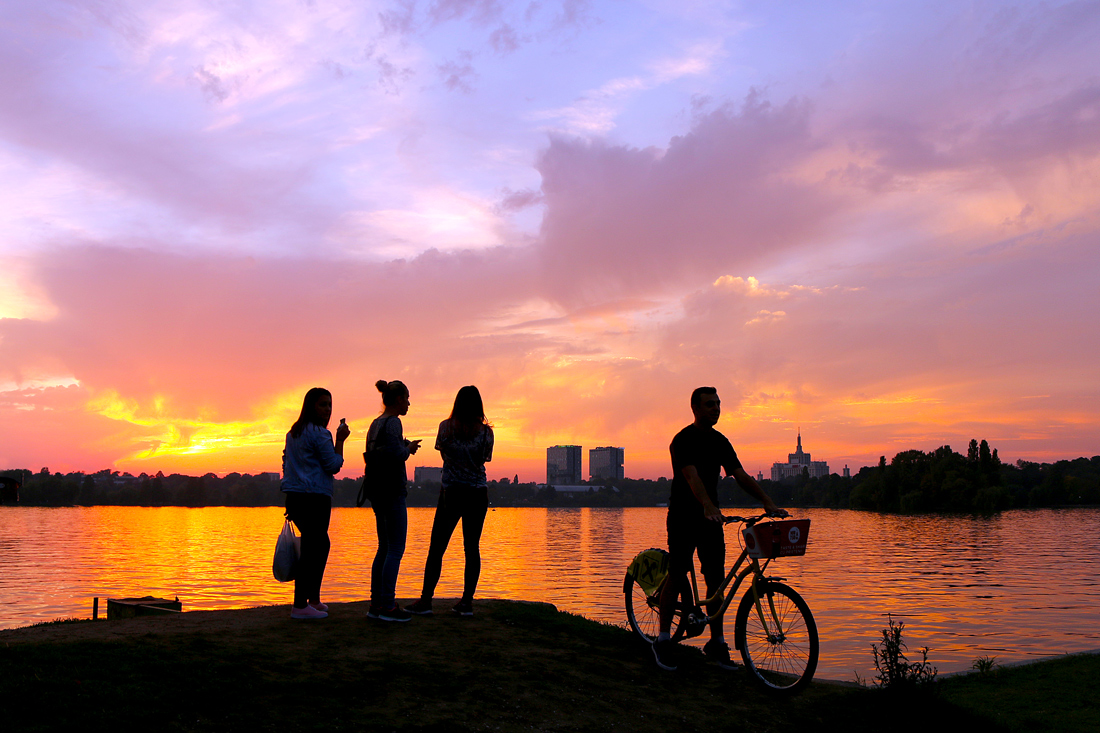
[895, 671]
[984, 665]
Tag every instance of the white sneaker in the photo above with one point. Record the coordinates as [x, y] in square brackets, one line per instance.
[307, 612]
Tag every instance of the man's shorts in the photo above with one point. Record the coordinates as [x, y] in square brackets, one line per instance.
[688, 534]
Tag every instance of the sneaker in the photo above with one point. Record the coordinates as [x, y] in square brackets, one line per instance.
[464, 608]
[319, 607]
[307, 612]
[719, 653]
[420, 607]
[372, 611]
[662, 652]
[394, 614]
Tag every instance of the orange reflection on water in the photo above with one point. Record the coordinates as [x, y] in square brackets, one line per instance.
[1004, 586]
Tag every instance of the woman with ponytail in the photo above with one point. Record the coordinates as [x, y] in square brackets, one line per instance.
[387, 450]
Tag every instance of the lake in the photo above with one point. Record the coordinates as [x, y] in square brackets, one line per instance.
[1018, 585]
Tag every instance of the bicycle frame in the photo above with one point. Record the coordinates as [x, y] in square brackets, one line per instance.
[737, 576]
[753, 568]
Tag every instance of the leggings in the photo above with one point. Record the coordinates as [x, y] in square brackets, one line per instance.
[468, 503]
[310, 514]
[391, 520]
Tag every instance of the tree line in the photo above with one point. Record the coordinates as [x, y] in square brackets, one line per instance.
[943, 480]
[912, 482]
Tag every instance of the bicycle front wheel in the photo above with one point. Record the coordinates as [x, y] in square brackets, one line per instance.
[644, 614]
[777, 638]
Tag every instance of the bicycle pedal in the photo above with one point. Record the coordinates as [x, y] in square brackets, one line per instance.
[695, 624]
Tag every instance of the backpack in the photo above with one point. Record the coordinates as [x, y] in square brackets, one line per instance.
[380, 472]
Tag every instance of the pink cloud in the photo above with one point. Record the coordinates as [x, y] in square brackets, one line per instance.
[622, 220]
[922, 230]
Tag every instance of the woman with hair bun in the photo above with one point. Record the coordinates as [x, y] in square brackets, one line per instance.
[386, 453]
[310, 460]
[465, 440]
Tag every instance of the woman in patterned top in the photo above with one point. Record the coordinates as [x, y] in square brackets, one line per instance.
[465, 440]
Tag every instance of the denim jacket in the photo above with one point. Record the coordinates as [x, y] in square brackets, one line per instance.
[310, 461]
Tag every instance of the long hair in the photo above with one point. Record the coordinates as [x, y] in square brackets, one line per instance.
[468, 414]
[308, 415]
[391, 391]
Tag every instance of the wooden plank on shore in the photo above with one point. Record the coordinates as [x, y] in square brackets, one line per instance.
[147, 606]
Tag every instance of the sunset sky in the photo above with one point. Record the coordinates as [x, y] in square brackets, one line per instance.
[878, 222]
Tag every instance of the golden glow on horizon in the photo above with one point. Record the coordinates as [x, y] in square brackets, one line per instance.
[846, 428]
[172, 442]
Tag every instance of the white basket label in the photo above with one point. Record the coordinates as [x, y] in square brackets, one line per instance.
[793, 535]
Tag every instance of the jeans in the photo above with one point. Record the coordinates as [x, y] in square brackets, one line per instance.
[468, 503]
[391, 520]
[310, 514]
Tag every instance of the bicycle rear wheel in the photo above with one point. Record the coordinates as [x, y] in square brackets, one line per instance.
[780, 649]
[644, 615]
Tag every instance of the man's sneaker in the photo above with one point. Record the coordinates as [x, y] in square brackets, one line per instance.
[420, 607]
[394, 614]
[719, 653]
[662, 652]
[372, 611]
[464, 608]
[307, 612]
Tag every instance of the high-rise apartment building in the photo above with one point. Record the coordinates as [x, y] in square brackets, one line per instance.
[606, 463]
[563, 465]
[427, 474]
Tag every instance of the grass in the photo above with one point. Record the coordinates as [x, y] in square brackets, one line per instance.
[1055, 695]
[513, 666]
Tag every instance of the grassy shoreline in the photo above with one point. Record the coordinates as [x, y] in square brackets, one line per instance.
[513, 666]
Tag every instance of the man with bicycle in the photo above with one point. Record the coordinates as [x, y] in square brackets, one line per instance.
[699, 454]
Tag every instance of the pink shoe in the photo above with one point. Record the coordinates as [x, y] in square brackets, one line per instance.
[319, 607]
[307, 612]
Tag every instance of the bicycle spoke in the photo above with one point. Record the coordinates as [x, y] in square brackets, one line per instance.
[780, 644]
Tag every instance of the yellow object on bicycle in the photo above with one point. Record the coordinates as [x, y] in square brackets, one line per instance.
[648, 569]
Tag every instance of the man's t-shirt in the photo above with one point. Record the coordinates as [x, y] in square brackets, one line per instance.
[709, 451]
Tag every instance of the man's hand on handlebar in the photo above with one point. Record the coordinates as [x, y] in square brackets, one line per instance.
[772, 510]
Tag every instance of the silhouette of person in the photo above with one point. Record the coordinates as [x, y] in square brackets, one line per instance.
[699, 453]
[386, 451]
[465, 439]
[310, 460]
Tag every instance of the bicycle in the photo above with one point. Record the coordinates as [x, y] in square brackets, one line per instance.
[773, 629]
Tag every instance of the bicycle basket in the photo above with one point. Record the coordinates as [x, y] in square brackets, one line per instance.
[786, 538]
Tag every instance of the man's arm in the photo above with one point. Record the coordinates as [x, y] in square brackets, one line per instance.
[748, 483]
[710, 511]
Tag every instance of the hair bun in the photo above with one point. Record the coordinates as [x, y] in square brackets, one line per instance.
[381, 385]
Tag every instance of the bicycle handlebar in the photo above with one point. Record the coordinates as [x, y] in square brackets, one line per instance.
[753, 520]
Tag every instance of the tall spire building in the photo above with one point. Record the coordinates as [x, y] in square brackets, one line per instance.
[797, 462]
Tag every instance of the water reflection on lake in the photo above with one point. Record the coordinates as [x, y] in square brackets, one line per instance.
[1018, 585]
